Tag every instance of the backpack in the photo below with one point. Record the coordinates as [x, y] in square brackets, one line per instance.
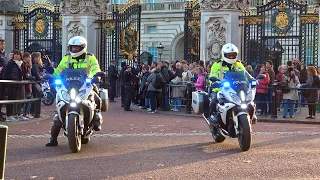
[158, 82]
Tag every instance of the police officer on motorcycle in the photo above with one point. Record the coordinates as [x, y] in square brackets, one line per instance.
[78, 57]
[228, 62]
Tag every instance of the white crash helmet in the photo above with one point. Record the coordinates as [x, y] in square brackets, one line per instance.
[77, 41]
[229, 53]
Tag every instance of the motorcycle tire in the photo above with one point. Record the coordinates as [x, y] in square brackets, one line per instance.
[73, 133]
[216, 135]
[244, 137]
[49, 100]
[85, 140]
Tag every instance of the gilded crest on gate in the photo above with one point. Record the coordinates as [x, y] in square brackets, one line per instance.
[282, 20]
[40, 26]
[129, 42]
[108, 27]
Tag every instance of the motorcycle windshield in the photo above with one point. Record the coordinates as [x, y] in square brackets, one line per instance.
[238, 80]
[73, 78]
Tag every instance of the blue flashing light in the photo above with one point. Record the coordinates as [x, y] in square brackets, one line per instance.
[226, 84]
[88, 80]
[58, 82]
[254, 83]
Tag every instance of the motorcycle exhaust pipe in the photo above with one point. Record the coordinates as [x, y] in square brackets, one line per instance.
[209, 122]
[224, 133]
[89, 132]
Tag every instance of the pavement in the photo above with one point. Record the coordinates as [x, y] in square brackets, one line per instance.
[138, 145]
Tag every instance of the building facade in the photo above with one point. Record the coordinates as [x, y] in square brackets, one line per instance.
[162, 21]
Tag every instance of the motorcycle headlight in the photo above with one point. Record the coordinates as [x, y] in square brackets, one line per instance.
[82, 94]
[242, 96]
[235, 97]
[73, 94]
[65, 96]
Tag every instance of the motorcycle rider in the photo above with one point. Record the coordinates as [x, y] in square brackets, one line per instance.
[228, 62]
[78, 57]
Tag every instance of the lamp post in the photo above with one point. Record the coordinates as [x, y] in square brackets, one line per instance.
[160, 49]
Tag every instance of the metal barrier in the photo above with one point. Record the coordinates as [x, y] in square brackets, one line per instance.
[37, 104]
[3, 148]
[274, 102]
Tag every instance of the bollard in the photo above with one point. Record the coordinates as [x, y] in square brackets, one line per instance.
[37, 108]
[3, 147]
[189, 98]
[274, 101]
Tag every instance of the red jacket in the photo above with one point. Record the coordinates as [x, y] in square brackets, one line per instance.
[262, 86]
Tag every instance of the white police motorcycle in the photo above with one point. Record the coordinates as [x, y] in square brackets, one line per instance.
[76, 105]
[235, 108]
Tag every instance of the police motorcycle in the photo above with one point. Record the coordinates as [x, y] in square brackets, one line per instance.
[235, 108]
[76, 105]
[48, 95]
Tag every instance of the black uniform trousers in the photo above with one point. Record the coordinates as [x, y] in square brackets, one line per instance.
[112, 91]
[129, 91]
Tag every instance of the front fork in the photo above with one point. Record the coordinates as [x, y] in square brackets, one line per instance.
[80, 122]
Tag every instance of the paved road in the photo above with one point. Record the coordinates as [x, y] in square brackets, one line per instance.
[137, 145]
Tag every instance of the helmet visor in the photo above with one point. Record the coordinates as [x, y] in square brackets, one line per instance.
[75, 48]
[232, 55]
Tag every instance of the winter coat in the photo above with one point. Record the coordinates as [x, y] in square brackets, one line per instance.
[293, 94]
[177, 91]
[26, 71]
[201, 82]
[144, 80]
[12, 72]
[313, 82]
[262, 86]
[151, 80]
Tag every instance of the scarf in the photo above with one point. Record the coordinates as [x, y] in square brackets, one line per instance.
[19, 63]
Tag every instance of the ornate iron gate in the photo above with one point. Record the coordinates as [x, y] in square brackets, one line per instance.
[192, 31]
[119, 35]
[280, 31]
[38, 29]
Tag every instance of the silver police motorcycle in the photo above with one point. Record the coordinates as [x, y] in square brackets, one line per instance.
[235, 108]
[75, 105]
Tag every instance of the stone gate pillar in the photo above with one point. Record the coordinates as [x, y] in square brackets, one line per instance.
[78, 18]
[220, 25]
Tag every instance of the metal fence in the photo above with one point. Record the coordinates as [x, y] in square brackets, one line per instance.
[275, 102]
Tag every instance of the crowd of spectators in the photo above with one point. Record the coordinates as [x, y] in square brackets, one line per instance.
[19, 66]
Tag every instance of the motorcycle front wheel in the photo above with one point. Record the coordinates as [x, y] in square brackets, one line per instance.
[74, 137]
[244, 137]
[48, 98]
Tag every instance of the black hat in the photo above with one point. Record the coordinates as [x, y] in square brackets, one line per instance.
[123, 64]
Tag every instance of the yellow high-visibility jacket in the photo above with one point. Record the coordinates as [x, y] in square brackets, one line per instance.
[218, 70]
[90, 63]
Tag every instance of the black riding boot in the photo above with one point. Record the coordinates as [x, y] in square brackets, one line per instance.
[55, 130]
[97, 121]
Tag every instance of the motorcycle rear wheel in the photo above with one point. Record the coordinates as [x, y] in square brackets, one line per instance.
[216, 135]
[244, 137]
[73, 133]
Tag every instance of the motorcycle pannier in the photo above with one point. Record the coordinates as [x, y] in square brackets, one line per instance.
[105, 99]
[200, 102]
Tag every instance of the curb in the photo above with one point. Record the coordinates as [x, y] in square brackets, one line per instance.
[260, 119]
